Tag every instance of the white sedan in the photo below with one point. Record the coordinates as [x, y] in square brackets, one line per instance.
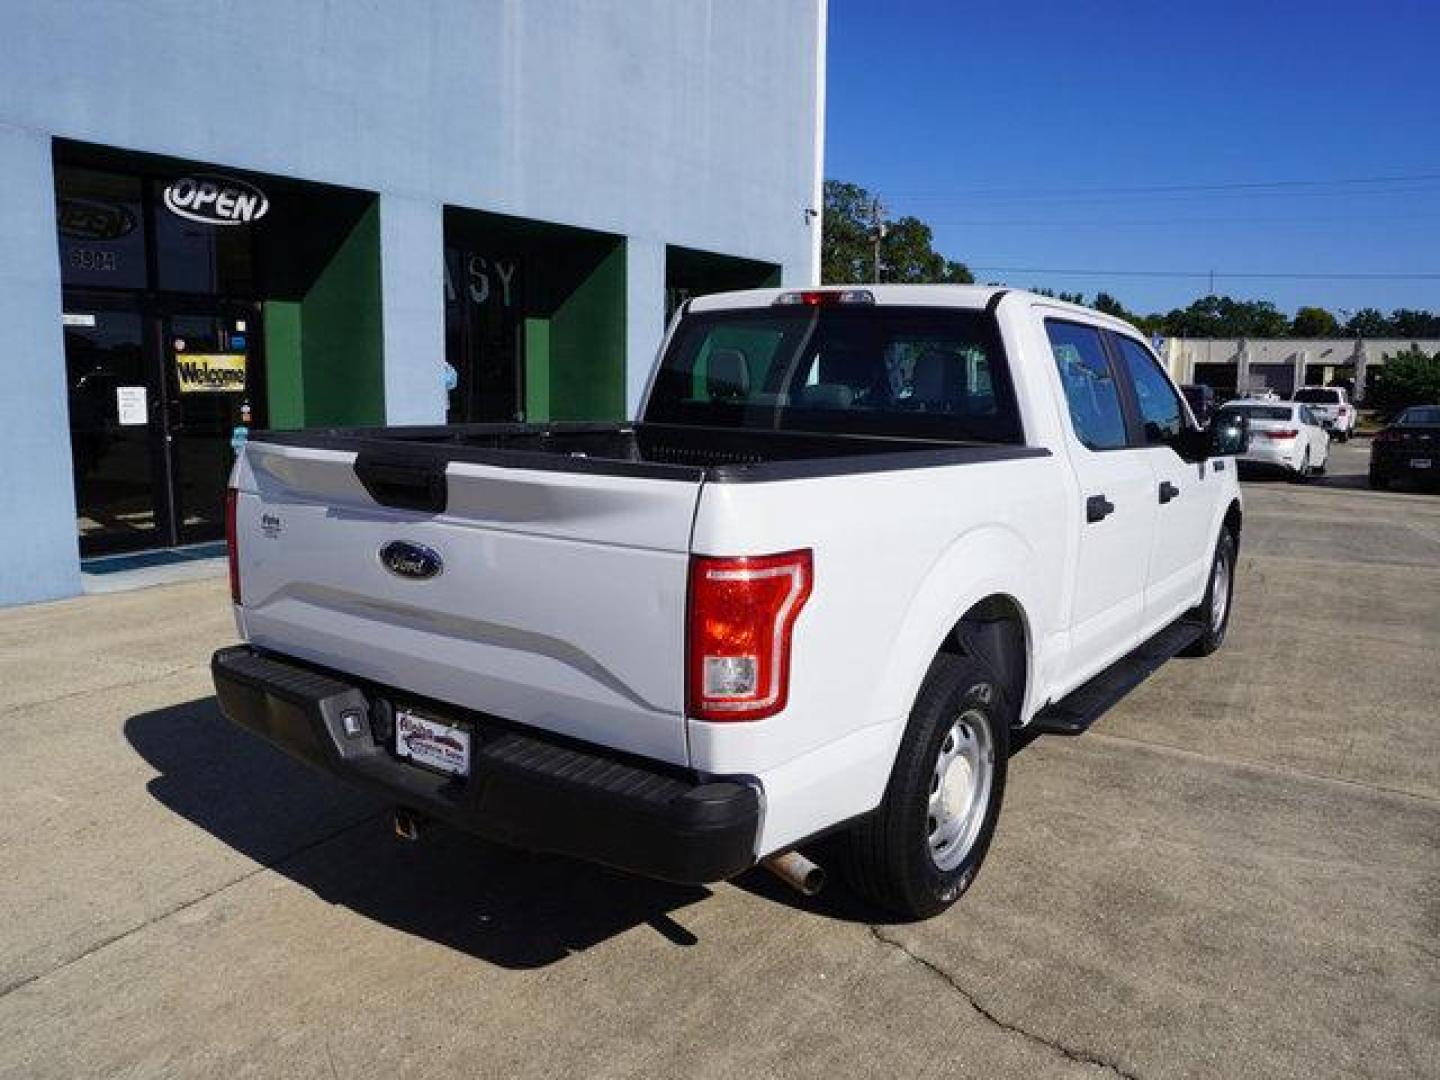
[1285, 435]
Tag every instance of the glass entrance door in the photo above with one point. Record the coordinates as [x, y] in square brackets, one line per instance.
[212, 388]
[115, 436]
[157, 390]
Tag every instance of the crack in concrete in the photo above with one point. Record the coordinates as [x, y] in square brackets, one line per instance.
[1080, 1057]
[109, 688]
[19, 984]
[1095, 734]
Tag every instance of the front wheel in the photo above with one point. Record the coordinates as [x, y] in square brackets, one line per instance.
[919, 852]
[1214, 609]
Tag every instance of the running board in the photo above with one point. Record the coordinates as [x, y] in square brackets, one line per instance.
[1074, 713]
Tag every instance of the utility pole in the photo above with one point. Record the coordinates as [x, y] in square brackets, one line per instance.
[877, 225]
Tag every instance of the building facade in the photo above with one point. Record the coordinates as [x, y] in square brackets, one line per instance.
[222, 216]
[1239, 365]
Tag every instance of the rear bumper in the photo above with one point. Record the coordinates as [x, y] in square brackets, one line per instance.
[1401, 461]
[525, 791]
[1273, 454]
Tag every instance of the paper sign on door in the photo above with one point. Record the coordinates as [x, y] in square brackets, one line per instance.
[130, 406]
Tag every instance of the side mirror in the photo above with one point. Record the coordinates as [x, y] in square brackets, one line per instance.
[1227, 435]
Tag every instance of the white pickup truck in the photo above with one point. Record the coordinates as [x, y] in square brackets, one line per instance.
[857, 539]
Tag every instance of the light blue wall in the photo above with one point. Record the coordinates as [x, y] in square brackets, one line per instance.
[412, 299]
[39, 552]
[687, 122]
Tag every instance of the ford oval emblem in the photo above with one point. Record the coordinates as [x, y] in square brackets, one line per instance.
[404, 559]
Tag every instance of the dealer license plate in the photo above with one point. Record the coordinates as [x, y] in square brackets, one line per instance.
[1420, 462]
[432, 743]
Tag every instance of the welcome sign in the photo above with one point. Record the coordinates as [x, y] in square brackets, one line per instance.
[210, 373]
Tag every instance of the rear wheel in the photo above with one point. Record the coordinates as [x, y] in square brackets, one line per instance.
[1379, 481]
[919, 852]
[1302, 474]
[1214, 609]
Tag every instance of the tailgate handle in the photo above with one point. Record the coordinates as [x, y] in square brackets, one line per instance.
[403, 485]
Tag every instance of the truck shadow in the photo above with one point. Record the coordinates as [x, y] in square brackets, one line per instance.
[510, 908]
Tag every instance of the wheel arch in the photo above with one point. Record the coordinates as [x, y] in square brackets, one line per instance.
[996, 614]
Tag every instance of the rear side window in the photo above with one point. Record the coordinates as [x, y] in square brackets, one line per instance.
[1161, 415]
[933, 373]
[1090, 390]
[1318, 395]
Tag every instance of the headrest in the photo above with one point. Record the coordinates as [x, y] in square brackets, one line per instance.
[727, 374]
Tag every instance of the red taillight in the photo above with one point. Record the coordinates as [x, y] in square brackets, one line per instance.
[230, 549]
[1284, 433]
[742, 611]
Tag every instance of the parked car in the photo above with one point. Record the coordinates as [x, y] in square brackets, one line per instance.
[1332, 405]
[1408, 448]
[1283, 435]
[857, 537]
[1201, 399]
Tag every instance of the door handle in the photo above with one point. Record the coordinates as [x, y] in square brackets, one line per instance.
[1098, 508]
[1168, 491]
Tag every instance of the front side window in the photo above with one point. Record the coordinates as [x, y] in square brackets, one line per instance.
[928, 373]
[1090, 390]
[1161, 414]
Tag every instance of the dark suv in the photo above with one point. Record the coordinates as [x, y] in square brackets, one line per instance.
[1409, 447]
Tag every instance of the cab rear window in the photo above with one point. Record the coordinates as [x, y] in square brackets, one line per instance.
[1318, 395]
[936, 373]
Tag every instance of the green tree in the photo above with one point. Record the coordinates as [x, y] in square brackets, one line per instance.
[1225, 317]
[907, 252]
[1066, 297]
[1407, 323]
[1110, 306]
[1408, 378]
[1368, 322]
[1314, 322]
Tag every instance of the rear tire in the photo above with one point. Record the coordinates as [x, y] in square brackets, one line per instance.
[899, 857]
[1216, 616]
[1379, 481]
[1302, 474]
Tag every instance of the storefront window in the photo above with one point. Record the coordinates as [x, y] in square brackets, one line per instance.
[483, 336]
[200, 256]
[100, 217]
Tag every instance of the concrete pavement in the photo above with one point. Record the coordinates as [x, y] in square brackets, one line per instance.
[1236, 874]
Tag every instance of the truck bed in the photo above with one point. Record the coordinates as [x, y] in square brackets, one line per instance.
[655, 451]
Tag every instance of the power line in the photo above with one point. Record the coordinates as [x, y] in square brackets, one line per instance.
[1294, 276]
[1248, 185]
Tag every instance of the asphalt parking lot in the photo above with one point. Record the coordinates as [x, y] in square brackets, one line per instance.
[1236, 874]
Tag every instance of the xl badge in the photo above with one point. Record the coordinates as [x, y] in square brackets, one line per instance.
[408, 560]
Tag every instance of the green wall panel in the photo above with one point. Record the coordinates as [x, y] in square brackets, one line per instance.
[344, 375]
[284, 371]
[537, 370]
[587, 346]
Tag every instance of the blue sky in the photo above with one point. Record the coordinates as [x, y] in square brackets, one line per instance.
[1009, 128]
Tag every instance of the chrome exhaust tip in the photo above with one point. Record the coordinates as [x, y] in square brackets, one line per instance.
[407, 824]
[797, 871]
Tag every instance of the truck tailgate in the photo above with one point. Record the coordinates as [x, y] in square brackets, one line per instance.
[560, 602]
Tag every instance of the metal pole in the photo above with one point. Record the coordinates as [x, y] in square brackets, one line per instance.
[876, 210]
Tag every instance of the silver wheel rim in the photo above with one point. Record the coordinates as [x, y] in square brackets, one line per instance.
[1220, 592]
[960, 789]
